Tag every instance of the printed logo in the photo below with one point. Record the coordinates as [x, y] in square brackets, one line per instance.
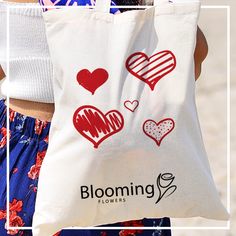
[151, 69]
[96, 126]
[92, 81]
[158, 131]
[163, 187]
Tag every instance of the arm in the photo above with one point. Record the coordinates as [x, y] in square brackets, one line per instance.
[2, 75]
[200, 53]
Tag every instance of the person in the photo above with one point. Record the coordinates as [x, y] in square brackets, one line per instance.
[31, 111]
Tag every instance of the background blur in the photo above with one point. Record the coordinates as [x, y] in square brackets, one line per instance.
[211, 101]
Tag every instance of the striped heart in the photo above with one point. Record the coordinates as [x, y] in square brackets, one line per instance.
[151, 69]
[96, 126]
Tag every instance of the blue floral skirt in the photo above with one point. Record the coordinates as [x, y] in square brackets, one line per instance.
[28, 146]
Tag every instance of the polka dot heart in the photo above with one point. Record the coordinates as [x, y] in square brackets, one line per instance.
[158, 131]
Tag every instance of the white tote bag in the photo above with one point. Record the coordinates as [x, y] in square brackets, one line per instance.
[125, 141]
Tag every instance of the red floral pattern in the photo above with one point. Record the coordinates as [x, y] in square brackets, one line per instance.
[2, 214]
[39, 126]
[3, 141]
[131, 232]
[103, 233]
[35, 169]
[16, 205]
[12, 115]
[57, 234]
[15, 220]
[14, 170]
[46, 140]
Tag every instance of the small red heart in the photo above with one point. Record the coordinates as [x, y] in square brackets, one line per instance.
[158, 131]
[151, 69]
[95, 126]
[92, 81]
[131, 105]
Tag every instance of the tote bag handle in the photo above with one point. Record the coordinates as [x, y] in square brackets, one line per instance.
[104, 5]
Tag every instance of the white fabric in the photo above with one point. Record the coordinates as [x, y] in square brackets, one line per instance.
[111, 130]
[30, 67]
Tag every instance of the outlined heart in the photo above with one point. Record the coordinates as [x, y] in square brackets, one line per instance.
[151, 69]
[92, 81]
[132, 106]
[158, 131]
[96, 126]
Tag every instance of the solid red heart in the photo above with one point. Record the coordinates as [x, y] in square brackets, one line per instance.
[92, 81]
[131, 105]
[158, 131]
[96, 126]
[151, 69]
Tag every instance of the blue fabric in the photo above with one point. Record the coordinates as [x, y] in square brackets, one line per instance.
[28, 145]
[77, 2]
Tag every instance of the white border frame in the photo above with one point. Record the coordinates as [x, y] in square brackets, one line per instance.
[228, 8]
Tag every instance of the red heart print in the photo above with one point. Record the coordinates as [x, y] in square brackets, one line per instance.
[92, 81]
[158, 131]
[131, 105]
[96, 126]
[151, 69]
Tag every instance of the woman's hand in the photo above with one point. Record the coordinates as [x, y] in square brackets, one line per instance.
[2, 75]
[200, 53]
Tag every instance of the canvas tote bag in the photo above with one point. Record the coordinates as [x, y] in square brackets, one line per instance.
[125, 141]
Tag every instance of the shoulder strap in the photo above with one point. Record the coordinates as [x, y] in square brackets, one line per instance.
[158, 2]
[103, 5]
